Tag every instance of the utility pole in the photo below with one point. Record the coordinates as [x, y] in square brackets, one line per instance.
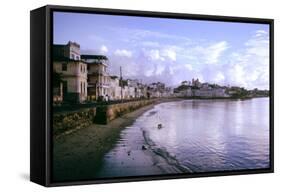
[121, 83]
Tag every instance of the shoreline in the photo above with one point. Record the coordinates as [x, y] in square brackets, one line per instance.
[79, 154]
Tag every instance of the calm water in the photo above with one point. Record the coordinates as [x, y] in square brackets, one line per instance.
[199, 135]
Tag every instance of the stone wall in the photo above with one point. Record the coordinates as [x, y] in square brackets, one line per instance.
[69, 121]
[106, 113]
[63, 122]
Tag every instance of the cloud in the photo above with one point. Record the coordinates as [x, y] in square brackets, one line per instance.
[165, 54]
[153, 54]
[188, 67]
[250, 66]
[219, 77]
[170, 54]
[214, 51]
[260, 33]
[211, 53]
[218, 62]
[103, 49]
[123, 53]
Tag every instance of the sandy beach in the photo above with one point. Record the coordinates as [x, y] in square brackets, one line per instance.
[79, 155]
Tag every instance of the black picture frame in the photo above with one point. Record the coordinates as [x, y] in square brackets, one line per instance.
[41, 38]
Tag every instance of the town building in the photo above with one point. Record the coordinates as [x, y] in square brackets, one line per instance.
[71, 50]
[66, 61]
[142, 91]
[187, 83]
[155, 89]
[74, 79]
[85, 78]
[202, 90]
[210, 92]
[196, 83]
[115, 89]
[98, 77]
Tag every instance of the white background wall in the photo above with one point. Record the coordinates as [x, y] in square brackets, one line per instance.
[14, 101]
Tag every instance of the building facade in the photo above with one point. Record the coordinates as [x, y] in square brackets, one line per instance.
[66, 61]
[115, 89]
[98, 77]
[74, 79]
[71, 50]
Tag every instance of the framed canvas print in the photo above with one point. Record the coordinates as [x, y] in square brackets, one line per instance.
[120, 95]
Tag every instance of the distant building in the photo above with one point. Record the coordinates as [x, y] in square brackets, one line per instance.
[98, 77]
[196, 83]
[128, 92]
[198, 89]
[156, 89]
[187, 83]
[208, 93]
[115, 89]
[134, 88]
[141, 91]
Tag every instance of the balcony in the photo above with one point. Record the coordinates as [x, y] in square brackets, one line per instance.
[104, 85]
[97, 73]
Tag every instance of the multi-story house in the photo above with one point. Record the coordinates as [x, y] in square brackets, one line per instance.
[156, 89]
[115, 89]
[74, 77]
[66, 61]
[98, 77]
[71, 50]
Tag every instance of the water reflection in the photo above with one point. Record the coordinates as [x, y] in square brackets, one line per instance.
[209, 135]
[203, 135]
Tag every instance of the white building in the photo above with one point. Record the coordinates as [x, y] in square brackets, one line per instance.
[210, 92]
[128, 92]
[74, 76]
[98, 77]
[71, 50]
[66, 61]
[115, 89]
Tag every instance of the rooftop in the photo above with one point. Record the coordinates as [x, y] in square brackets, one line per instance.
[98, 57]
[65, 59]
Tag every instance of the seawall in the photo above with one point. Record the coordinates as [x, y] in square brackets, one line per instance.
[106, 113]
[67, 122]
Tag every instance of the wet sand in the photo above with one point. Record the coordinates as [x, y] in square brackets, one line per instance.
[78, 155]
[133, 156]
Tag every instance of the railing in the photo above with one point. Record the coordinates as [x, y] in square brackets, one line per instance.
[98, 84]
[103, 73]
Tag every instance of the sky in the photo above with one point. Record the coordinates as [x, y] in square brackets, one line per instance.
[172, 50]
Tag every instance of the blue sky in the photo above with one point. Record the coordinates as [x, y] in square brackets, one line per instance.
[172, 50]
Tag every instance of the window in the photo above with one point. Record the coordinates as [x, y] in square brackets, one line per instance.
[64, 67]
[84, 87]
[81, 68]
[81, 87]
